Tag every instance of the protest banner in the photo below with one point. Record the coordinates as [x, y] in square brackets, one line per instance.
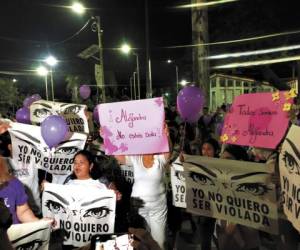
[32, 235]
[74, 114]
[236, 191]
[178, 184]
[127, 173]
[133, 127]
[289, 167]
[80, 210]
[258, 120]
[30, 151]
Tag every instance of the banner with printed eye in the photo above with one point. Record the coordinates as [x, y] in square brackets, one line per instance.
[74, 114]
[237, 191]
[127, 173]
[80, 210]
[289, 167]
[30, 151]
[178, 184]
[33, 235]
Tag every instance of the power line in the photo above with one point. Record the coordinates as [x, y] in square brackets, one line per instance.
[234, 41]
[257, 63]
[253, 52]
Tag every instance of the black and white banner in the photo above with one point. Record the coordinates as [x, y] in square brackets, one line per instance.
[178, 184]
[81, 211]
[30, 151]
[236, 191]
[74, 114]
[289, 166]
[127, 173]
[33, 235]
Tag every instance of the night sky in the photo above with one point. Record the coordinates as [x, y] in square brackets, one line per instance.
[30, 29]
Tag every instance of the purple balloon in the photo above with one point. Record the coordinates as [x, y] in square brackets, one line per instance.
[27, 102]
[190, 102]
[96, 115]
[23, 115]
[36, 97]
[54, 129]
[85, 91]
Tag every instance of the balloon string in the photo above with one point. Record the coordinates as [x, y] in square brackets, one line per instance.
[183, 139]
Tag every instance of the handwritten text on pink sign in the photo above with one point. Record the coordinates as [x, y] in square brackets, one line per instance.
[133, 127]
[258, 120]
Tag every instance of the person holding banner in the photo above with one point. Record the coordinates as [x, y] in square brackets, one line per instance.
[148, 190]
[231, 235]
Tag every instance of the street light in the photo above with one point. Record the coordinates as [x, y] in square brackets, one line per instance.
[126, 49]
[96, 26]
[169, 61]
[78, 8]
[183, 82]
[51, 61]
[14, 80]
[43, 71]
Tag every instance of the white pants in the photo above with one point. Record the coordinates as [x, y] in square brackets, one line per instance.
[155, 214]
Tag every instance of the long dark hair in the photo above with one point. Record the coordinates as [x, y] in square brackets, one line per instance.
[88, 155]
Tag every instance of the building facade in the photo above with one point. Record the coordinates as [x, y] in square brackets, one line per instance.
[223, 88]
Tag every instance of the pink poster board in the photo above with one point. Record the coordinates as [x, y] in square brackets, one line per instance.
[258, 120]
[133, 127]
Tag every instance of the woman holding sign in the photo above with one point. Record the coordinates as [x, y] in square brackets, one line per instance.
[148, 191]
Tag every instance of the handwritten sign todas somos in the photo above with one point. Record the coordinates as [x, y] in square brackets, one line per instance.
[258, 120]
[289, 166]
[133, 127]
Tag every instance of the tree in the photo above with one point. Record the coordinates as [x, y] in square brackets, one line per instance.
[73, 84]
[9, 96]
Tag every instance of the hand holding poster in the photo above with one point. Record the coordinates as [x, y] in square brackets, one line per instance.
[133, 127]
[74, 114]
[30, 150]
[178, 184]
[258, 120]
[80, 210]
[289, 166]
[33, 235]
[237, 191]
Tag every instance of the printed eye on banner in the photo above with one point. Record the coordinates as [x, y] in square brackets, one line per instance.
[250, 183]
[30, 241]
[291, 162]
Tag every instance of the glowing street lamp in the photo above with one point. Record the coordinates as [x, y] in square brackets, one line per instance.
[183, 82]
[169, 61]
[52, 62]
[78, 8]
[43, 71]
[126, 49]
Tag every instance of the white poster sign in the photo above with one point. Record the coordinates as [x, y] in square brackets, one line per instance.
[33, 235]
[81, 210]
[289, 166]
[74, 114]
[30, 151]
[236, 191]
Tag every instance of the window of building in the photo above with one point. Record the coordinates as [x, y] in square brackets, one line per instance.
[229, 83]
[246, 84]
[213, 82]
[222, 82]
[237, 83]
[246, 91]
